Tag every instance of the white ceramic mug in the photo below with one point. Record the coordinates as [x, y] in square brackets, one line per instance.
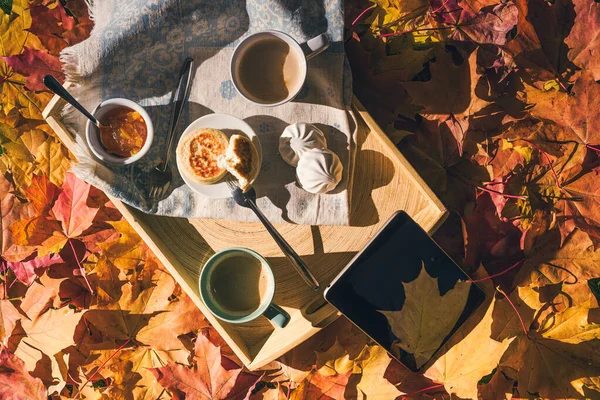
[304, 52]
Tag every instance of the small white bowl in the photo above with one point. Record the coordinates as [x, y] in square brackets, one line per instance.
[92, 133]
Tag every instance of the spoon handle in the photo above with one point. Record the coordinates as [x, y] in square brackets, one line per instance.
[179, 98]
[55, 86]
[292, 256]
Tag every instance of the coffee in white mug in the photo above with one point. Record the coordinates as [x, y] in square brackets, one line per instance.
[270, 70]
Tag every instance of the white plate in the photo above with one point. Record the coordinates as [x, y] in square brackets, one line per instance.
[230, 125]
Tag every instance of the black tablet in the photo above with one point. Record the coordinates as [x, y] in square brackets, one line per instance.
[405, 292]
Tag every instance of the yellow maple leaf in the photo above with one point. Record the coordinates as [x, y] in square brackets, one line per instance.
[15, 157]
[126, 252]
[426, 318]
[51, 157]
[471, 355]
[572, 325]
[13, 34]
[128, 369]
[14, 95]
[372, 384]
[335, 360]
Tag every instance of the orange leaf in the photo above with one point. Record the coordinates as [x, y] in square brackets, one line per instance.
[322, 387]
[42, 232]
[208, 379]
[41, 193]
[11, 211]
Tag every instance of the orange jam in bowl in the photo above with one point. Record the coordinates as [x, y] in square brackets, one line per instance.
[124, 132]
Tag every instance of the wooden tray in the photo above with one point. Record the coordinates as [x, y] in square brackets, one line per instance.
[384, 182]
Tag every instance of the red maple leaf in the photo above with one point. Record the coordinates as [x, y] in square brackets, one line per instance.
[34, 65]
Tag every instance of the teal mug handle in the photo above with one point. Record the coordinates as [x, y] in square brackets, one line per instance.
[278, 316]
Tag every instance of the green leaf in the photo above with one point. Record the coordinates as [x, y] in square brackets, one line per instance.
[486, 379]
[594, 285]
[6, 6]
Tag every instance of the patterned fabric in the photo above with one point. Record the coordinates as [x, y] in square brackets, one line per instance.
[136, 50]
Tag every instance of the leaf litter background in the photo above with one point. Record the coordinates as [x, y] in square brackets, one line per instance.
[497, 105]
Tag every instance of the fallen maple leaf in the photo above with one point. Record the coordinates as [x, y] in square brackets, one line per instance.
[434, 152]
[371, 382]
[531, 361]
[71, 207]
[34, 65]
[581, 208]
[127, 251]
[584, 37]
[56, 28]
[10, 212]
[15, 382]
[179, 317]
[128, 368]
[41, 193]
[334, 361]
[13, 37]
[475, 6]
[210, 378]
[538, 47]
[25, 270]
[322, 387]
[492, 25]
[426, 317]
[13, 94]
[573, 325]
[51, 158]
[46, 336]
[124, 309]
[9, 316]
[40, 297]
[577, 113]
[16, 157]
[546, 264]
[470, 354]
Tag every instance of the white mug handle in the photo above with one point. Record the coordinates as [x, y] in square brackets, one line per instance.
[315, 46]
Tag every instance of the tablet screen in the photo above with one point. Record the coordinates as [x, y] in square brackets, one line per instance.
[405, 292]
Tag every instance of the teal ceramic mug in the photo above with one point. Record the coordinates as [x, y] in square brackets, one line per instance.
[232, 293]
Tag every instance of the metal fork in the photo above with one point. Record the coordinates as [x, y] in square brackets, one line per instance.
[161, 176]
[248, 199]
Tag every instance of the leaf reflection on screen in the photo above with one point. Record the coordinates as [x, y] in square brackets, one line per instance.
[426, 318]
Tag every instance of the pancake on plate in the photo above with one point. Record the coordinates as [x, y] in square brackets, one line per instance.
[241, 160]
[199, 152]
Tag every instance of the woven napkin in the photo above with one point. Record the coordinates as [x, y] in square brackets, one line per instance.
[136, 50]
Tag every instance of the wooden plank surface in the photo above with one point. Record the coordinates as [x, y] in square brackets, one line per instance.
[384, 182]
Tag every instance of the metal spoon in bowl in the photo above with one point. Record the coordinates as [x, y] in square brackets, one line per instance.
[55, 86]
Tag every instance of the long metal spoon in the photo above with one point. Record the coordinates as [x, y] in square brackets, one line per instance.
[55, 86]
[248, 200]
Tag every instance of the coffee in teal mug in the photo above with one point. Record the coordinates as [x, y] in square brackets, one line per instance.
[237, 285]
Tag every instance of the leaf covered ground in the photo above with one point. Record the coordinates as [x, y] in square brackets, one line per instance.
[496, 104]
